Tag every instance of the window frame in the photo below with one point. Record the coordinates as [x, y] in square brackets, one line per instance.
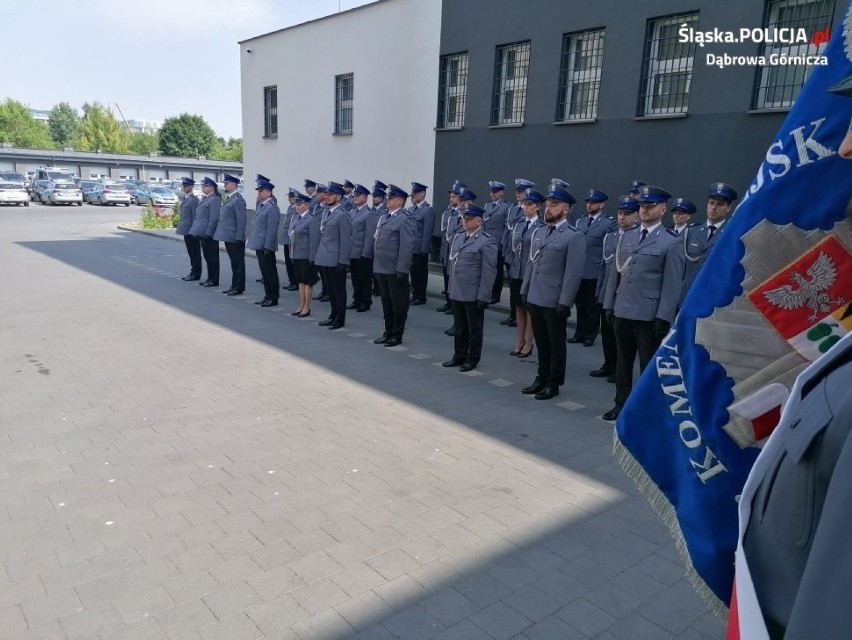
[570, 77]
[270, 111]
[509, 86]
[452, 93]
[344, 105]
[655, 68]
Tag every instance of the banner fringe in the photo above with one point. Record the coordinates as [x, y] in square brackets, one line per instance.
[664, 509]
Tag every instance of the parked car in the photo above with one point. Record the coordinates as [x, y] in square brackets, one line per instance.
[14, 193]
[132, 190]
[156, 195]
[85, 187]
[13, 176]
[104, 194]
[62, 193]
[36, 188]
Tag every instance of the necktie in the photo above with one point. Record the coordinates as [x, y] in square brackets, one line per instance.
[526, 228]
[589, 222]
[712, 229]
[550, 230]
[644, 235]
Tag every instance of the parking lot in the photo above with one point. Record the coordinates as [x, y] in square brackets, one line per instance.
[180, 464]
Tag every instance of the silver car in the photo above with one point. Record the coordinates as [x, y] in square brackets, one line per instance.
[114, 194]
[156, 195]
[62, 193]
[14, 193]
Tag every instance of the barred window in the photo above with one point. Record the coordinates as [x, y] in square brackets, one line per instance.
[667, 71]
[270, 112]
[580, 75]
[452, 90]
[778, 86]
[511, 65]
[344, 86]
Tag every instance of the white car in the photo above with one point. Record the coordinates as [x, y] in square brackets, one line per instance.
[62, 193]
[14, 193]
[114, 194]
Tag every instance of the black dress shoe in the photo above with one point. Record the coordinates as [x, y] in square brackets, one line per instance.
[611, 378]
[336, 325]
[603, 372]
[452, 363]
[292, 287]
[270, 303]
[363, 309]
[525, 355]
[588, 343]
[549, 391]
[325, 299]
[295, 313]
[392, 342]
[326, 323]
[506, 321]
[226, 291]
[573, 340]
[259, 280]
[352, 306]
[261, 301]
[512, 323]
[494, 301]
[234, 292]
[467, 366]
[514, 353]
[443, 308]
[381, 340]
[191, 278]
[612, 414]
[418, 301]
[450, 332]
[304, 314]
[535, 387]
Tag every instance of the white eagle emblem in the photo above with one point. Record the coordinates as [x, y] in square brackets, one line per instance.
[810, 293]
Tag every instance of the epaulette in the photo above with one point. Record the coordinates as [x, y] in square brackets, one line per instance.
[672, 232]
[486, 234]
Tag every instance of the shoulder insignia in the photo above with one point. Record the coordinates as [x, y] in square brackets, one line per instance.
[486, 234]
[672, 232]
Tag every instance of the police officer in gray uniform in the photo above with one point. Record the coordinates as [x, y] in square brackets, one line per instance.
[494, 224]
[304, 242]
[379, 207]
[232, 231]
[463, 196]
[264, 241]
[628, 210]
[514, 214]
[187, 216]
[359, 218]
[393, 247]
[594, 226]
[473, 268]
[204, 226]
[450, 226]
[334, 253]
[521, 236]
[424, 219]
[642, 296]
[284, 240]
[682, 211]
[551, 280]
[699, 240]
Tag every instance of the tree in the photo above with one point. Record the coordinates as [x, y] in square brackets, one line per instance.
[232, 150]
[143, 144]
[18, 127]
[64, 124]
[99, 130]
[186, 136]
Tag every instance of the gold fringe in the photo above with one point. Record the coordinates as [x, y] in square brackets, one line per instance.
[664, 509]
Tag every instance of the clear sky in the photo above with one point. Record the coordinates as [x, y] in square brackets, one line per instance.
[155, 58]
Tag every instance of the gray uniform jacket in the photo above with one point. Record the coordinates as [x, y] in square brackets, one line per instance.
[473, 267]
[594, 232]
[284, 225]
[494, 222]
[795, 514]
[424, 217]
[358, 222]
[451, 224]
[607, 264]
[187, 215]
[514, 214]
[232, 220]
[650, 287]
[304, 236]
[393, 244]
[556, 266]
[206, 216]
[371, 219]
[264, 233]
[520, 245]
[335, 245]
[697, 249]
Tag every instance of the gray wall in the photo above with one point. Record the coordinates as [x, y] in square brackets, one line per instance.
[717, 141]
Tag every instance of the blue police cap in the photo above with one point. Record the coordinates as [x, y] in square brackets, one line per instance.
[458, 184]
[416, 187]
[470, 209]
[298, 196]
[335, 187]
[380, 185]
[378, 193]
[264, 184]
[636, 185]
[361, 189]
[464, 193]
[523, 183]
[321, 188]
[594, 195]
[229, 178]
[187, 182]
[291, 192]
[533, 196]
[395, 191]
[348, 184]
[560, 193]
[208, 182]
[682, 204]
[309, 183]
[628, 203]
[722, 190]
[496, 186]
[261, 177]
[655, 195]
[556, 182]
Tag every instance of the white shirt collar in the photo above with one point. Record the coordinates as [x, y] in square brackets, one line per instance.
[718, 225]
[650, 229]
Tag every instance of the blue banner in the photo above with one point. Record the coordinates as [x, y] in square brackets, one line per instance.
[765, 304]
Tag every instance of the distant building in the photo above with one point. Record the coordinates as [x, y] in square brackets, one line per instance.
[41, 115]
[134, 125]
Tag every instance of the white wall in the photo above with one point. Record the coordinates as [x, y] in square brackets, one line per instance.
[392, 49]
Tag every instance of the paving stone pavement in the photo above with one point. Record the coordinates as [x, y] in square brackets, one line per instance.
[178, 464]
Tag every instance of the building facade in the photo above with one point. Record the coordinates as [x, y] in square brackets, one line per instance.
[349, 96]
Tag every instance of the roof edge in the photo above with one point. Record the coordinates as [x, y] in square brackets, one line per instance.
[302, 24]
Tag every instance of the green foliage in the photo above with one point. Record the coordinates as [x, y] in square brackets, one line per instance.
[100, 130]
[231, 151]
[186, 136]
[64, 125]
[143, 144]
[150, 219]
[18, 127]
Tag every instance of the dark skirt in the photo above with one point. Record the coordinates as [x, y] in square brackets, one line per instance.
[305, 272]
[515, 293]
